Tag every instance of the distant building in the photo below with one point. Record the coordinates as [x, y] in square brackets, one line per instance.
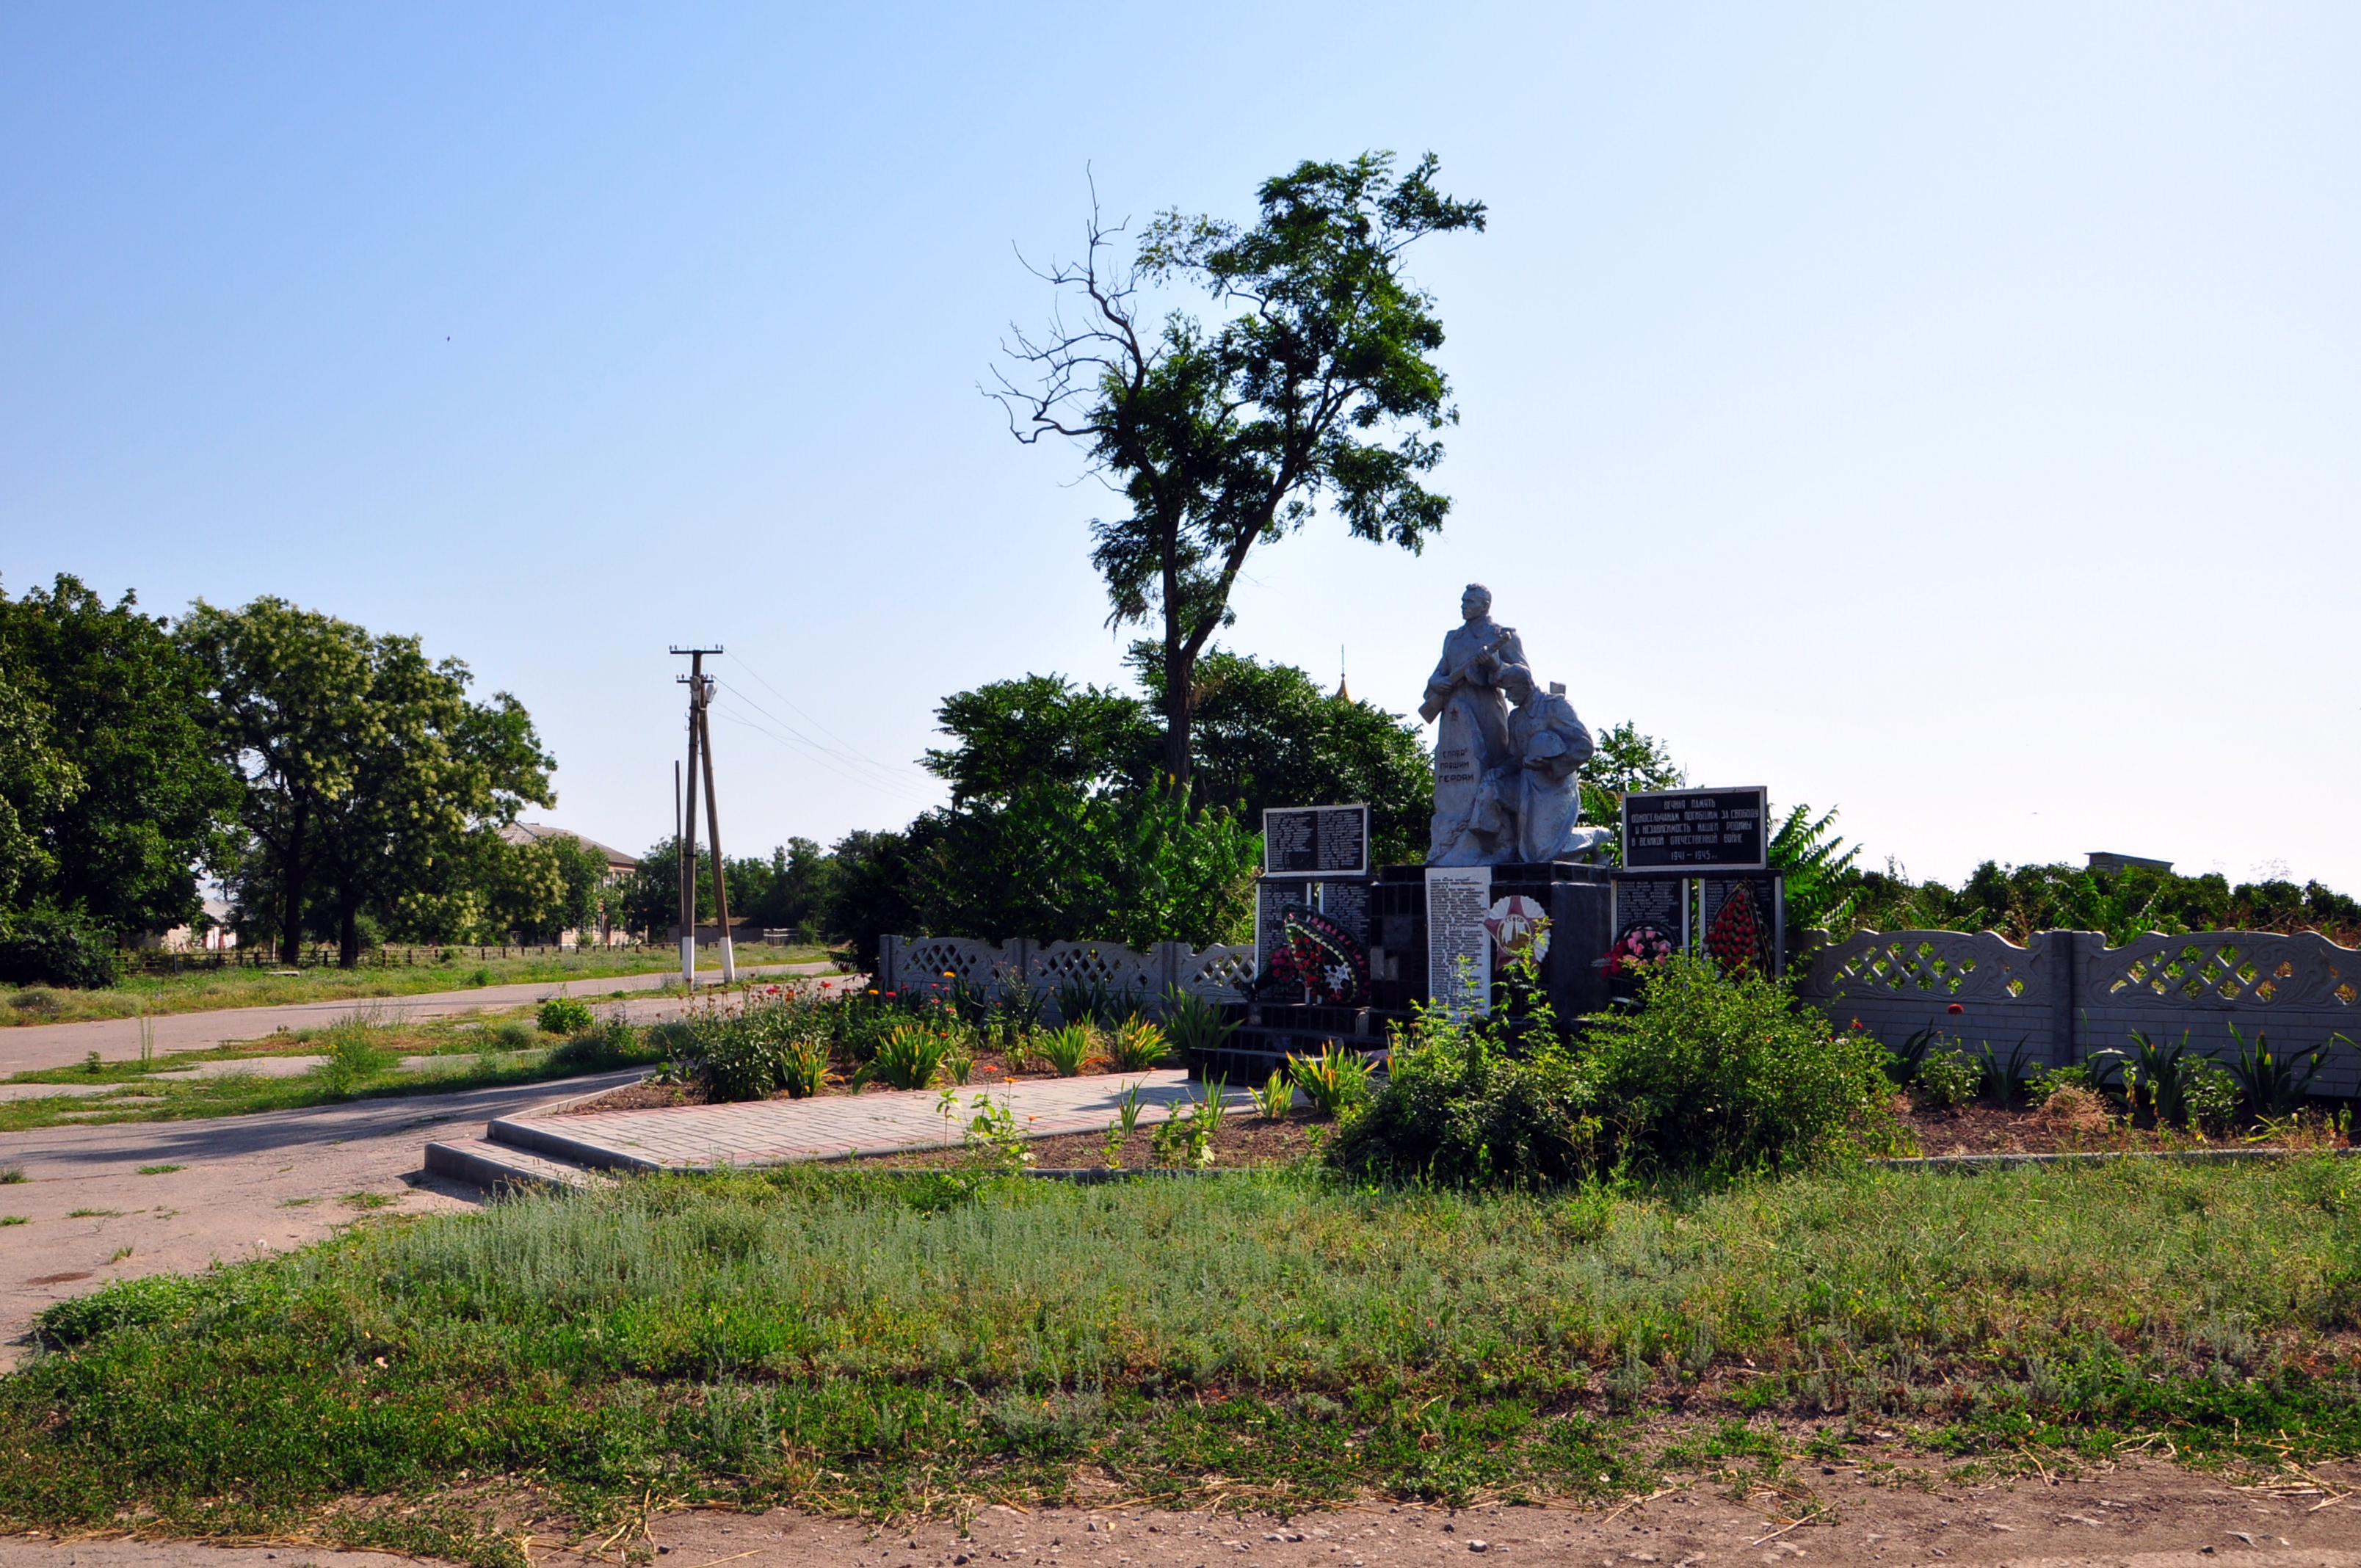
[211, 933]
[2108, 860]
[618, 866]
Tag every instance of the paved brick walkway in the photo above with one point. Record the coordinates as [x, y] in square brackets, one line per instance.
[834, 1127]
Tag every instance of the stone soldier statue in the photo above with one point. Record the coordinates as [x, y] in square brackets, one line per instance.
[1539, 779]
[1472, 732]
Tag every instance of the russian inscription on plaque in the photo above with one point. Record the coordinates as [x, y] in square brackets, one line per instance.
[1316, 840]
[1459, 948]
[1692, 830]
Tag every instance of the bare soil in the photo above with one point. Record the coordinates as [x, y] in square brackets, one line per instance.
[1981, 1128]
[1875, 1510]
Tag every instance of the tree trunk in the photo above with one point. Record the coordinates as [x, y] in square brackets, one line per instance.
[348, 936]
[290, 925]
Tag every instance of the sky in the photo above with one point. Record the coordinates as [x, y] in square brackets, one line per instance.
[1945, 414]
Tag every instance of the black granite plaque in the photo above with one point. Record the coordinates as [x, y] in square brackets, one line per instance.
[1696, 830]
[1313, 839]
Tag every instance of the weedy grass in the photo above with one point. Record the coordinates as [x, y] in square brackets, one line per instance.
[924, 1341]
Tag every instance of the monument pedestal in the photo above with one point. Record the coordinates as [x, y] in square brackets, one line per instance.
[1577, 899]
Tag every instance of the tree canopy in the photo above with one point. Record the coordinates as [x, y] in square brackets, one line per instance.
[1315, 388]
[371, 782]
[143, 799]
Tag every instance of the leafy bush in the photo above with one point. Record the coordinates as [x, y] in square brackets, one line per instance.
[1458, 1109]
[47, 948]
[1948, 1080]
[1730, 1074]
[563, 1015]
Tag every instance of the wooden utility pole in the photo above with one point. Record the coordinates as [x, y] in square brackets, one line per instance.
[700, 691]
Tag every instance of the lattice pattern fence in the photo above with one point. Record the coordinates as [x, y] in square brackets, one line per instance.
[936, 964]
[2068, 993]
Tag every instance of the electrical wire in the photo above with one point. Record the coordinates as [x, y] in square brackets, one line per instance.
[886, 772]
[802, 748]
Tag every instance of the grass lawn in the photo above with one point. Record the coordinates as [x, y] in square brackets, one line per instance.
[200, 990]
[364, 1061]
[919, 1341]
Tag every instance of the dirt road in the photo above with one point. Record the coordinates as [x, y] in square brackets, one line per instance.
[2144, 1514]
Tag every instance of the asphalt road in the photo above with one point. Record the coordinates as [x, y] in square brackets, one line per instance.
[29, 1047]
[245, 1185]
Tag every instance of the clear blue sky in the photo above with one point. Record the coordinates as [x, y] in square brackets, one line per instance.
[1947, 413]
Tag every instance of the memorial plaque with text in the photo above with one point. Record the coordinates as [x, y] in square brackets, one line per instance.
[1693, 830]
[1316, 840]
[1458, 948]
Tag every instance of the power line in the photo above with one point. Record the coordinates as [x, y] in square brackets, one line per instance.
[815, 723]
[801, 748]
[884, 770]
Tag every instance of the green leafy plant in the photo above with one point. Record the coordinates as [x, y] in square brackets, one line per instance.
[1191, 1022]
[1136, 1044]
[1458, 1110]
[2004, 1079]
[1082, 1001]
[1949, 1079]
[2157, 1078]
[2268, 1086]
[48, 947]
[352, 1057]
[1902, 1061]
[1184, 1140]
[802, 1065]
[959, 1061]
[1064, 1049]
[1332, 1081]
[2214, 1096]
[563, 1014]
[12, 1174]
[1276, 1098]
[1020, 1006]
[991, 1135]
[1734, 1074]
[1127, 1108]
[906, 1058]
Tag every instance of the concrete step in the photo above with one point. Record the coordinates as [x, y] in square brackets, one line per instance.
[538, 1137]
[494, 1166]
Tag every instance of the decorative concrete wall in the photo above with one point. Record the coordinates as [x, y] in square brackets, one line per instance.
[2069, 993]
[930, 963]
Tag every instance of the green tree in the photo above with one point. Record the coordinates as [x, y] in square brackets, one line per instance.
[1267, 734]
[1224, 438]
[1041, 730]
[36, 781]
[1624, 761]
[125, 709]
[796, 893]
[370, 778]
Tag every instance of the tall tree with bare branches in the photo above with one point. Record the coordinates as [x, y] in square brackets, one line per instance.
[1315, 387]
